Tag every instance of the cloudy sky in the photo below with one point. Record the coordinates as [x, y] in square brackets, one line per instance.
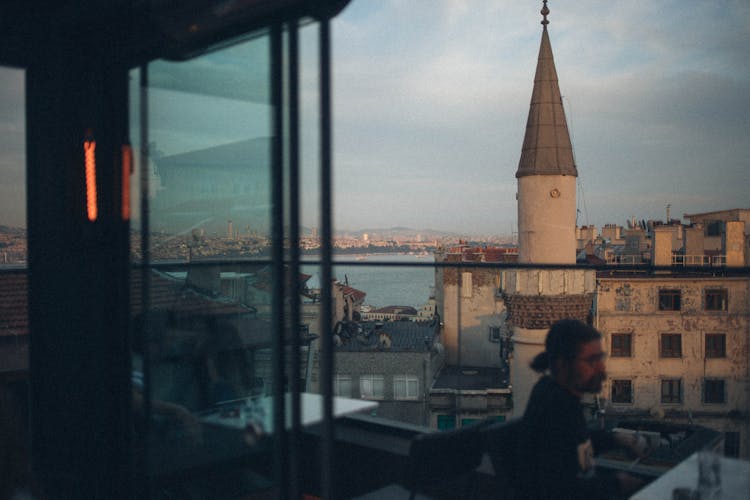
[431, 99]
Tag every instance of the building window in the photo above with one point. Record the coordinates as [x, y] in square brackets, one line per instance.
[405, 387]
[446, 422]
[671, 391]
[670, 345]
[714, 391]
[371, 386]
[669, 300]
[713, 227]
[732, 444]
[622, 391]
[342, 386]
[622, 345]
[715, 299]
[716, 345]
[494, 334]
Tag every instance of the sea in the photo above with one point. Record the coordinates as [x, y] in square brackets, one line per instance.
[384, 285]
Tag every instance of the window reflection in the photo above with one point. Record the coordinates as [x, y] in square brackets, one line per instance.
[202, 288]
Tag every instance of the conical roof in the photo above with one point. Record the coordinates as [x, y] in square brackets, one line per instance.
[547, 148]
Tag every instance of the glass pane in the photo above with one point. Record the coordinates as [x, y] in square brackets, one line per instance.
[14, 321]
[12, 167]
[202, 298]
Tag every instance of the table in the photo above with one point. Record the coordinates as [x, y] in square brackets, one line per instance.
[260, 411]
[735, 480]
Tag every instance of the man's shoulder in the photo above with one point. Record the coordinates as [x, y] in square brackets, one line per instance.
[549, 394]
[548, 388]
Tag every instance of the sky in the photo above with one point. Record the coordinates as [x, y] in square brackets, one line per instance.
[431, 97]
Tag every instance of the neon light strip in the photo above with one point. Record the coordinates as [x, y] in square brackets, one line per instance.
[89, 147]
[127, 167]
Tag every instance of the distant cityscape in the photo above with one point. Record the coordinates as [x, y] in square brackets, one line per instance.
[197, 244]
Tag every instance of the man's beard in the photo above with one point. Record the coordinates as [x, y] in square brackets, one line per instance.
[594, 384]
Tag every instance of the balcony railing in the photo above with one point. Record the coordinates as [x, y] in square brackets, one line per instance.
[699, 260]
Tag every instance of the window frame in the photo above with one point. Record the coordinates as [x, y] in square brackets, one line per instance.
[617, 351]
[406, 379]
[671, 398]
[732, 444]
[713, 228]
[709, 296]
[445, 422]
[669, 299]
[621, 383]
[670, 353]
[714, 380]
[337, 382]
[714, 353]
[373, 379]
[495, 333]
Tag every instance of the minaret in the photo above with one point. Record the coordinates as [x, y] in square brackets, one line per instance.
[536, 298]
[546, 171]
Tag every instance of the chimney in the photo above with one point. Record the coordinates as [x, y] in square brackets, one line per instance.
[734, 243]
[661, 253]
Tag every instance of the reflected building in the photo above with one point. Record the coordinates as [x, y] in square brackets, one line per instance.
[214, 188]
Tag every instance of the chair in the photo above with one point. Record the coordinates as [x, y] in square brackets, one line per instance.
[445, 462]
[502, 442]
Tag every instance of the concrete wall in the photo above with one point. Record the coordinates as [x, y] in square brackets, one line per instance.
[734, 244]
[694, 240]
[547, 219]
[661, 254]
[527, 343]
[468, 317]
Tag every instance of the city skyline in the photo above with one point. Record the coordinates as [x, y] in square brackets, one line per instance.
[430, 103]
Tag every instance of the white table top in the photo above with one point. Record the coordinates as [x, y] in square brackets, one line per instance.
[735, 480]
[260, 411]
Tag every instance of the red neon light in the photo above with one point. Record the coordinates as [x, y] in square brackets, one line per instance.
[89, 148]
[127, 168]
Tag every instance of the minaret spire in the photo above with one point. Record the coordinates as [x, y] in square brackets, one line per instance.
[545, 13]
[546, 170]
[547, 149]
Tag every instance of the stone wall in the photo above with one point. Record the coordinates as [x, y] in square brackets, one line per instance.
[541, 311]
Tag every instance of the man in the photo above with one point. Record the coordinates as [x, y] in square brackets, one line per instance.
[557, 449]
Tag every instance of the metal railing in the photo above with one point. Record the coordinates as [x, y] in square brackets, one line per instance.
[699, 260]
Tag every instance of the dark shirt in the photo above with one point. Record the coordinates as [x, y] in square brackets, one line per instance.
[557, 449]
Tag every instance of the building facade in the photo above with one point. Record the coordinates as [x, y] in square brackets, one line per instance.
[394, 363]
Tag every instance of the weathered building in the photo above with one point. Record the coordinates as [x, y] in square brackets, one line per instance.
[679, 348]
[394, 363]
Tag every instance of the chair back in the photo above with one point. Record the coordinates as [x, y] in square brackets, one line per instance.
[502, 442]
[445, 461]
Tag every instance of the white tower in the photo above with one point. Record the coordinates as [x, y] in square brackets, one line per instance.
[546, 171]
[536, 298]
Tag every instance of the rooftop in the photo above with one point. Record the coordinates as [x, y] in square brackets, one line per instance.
[404, 336]
[472, 378]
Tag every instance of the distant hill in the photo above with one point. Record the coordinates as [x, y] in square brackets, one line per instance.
[398, 232]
